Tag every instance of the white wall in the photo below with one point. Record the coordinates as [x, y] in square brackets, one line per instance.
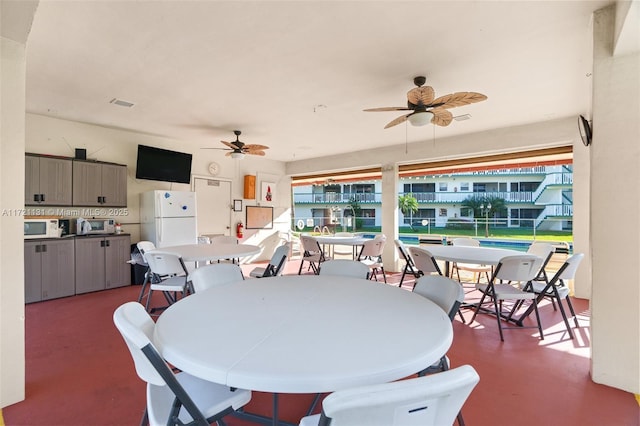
[615, 239]
[12, 83]
[46, 135]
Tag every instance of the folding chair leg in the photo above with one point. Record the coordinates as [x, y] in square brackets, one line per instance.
[384, 276]
[535, 307]
[570, 305]
[495, 306]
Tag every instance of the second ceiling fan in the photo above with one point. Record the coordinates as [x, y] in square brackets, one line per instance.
[425, 109]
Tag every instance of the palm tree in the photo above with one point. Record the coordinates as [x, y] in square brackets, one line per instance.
[487, 206]
[408, 204]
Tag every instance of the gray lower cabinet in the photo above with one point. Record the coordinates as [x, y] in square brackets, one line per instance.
[48, 269]
[101, 263]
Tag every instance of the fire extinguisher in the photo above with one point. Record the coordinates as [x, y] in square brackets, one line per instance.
[239, 228]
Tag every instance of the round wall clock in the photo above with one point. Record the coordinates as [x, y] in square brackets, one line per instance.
[585, 130]
[214, 168]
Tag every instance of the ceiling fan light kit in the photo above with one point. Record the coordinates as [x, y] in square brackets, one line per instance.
[237, 155]
[420, 118]
[425, 108]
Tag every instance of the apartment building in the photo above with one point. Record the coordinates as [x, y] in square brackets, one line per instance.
[535, 197]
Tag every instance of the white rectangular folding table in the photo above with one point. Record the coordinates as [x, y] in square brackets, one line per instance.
[303, 334]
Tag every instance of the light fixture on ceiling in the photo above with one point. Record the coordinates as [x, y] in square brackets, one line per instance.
[420, 118]
[237, 155]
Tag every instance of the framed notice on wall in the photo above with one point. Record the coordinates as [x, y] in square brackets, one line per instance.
[259, 217]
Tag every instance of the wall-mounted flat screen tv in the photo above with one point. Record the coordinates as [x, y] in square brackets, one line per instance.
[163, 165]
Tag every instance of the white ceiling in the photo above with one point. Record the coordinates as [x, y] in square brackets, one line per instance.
[296, 75]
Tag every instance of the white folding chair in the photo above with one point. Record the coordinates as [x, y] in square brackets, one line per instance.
[345, 268]
[312, 253]
[448, 294]
[410, 266]
[556, 288]
[168, 275]
[432, 400]
[544, 251]
[371, 255]
[518, 271]
[143, 247]
[214, 275]
[225, 239]
[172, 399]
[424, 261]
[276, 264]
[477, 270]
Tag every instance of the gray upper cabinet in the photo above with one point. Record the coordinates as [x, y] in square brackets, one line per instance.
[48, 181]
[99, 184]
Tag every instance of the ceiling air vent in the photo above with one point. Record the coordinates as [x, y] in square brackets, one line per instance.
[121, 103]
[462, 117]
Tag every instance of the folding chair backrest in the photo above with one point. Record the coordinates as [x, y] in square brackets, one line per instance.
[277, 261]
[424, 260]
[404, 253]
[424, 401]
[165, 264]
[372, 248]
[309, 244]
[214, 275]
[223, 239]
[521, 268]
[345, 268]
[467, 242]
[543, 251]
[443, 291]
[568, 272]
[136, 327]
[145, 246]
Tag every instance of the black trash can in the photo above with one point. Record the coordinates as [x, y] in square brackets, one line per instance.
[138, 267]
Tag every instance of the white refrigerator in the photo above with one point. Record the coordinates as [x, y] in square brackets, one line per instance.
[168, 218]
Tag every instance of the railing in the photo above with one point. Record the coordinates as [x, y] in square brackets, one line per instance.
[421, 197]
[553, 179]
[554, 210]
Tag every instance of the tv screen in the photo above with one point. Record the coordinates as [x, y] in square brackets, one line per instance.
[163, 165]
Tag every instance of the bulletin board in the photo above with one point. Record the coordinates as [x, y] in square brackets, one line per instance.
[259, 217]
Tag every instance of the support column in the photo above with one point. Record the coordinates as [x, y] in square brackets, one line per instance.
[390, 216]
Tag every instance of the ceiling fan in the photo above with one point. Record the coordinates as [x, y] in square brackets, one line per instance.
[238, 149]
[425, 109]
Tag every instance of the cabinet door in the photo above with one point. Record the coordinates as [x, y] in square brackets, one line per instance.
[90, 264]
[31, 179]
[58, 269]
[55, 181]
[114, 185]
[32, 272]
[87, 183]
[117, 253]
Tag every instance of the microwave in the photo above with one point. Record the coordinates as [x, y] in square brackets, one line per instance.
[96, 226]
[41, 228]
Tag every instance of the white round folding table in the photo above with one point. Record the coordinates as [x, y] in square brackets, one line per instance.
[210, 252]
[303, 334]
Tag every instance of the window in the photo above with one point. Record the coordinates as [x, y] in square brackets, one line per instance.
[464, 186]
[442, 186]
[466, 212]
[443, 212]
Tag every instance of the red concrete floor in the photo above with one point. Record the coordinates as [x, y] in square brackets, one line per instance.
[79, 371]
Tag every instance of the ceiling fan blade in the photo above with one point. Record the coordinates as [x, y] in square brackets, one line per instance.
[256, 152]
[458, 99]
[228, 154]
[441, 117]
[421, 95]
[397, 121]
[256, 147]
[387, 109]
[229, 144]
